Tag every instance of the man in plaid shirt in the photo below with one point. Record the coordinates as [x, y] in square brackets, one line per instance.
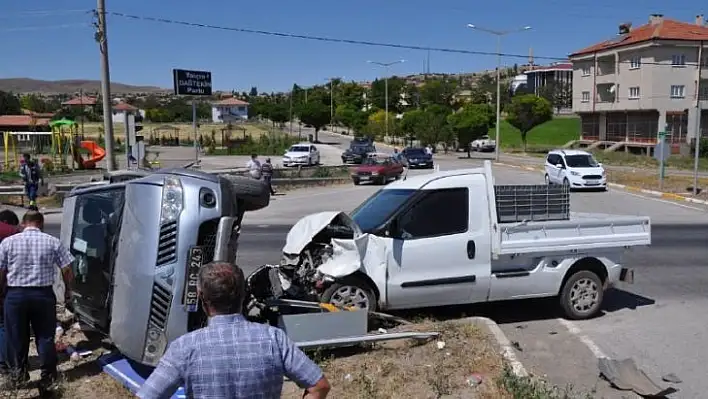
[27, 270]
[232, 357]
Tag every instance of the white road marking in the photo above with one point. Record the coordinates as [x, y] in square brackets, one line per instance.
[662, 200]
[507, 350]
[575, 330]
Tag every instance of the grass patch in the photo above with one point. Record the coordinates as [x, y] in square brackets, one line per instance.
[534, 388]
[672, 183]
[410, 369]
[646, 162]
[549, 135]
[263, 145]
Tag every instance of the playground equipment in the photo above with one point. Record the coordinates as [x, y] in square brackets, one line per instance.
[65, 141]
[15, 143]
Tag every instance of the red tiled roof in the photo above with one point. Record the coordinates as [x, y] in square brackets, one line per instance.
[81, 101]
[37, 114]
[22, 120]
[666, 29]
[231, 101]
[124, 107]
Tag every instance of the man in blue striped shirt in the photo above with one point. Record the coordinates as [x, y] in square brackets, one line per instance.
[232, 357]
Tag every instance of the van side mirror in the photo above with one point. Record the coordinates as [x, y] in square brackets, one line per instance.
[599, 164]
[559, 166]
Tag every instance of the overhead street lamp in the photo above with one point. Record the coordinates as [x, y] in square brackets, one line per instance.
[499, 34]
[386, 66]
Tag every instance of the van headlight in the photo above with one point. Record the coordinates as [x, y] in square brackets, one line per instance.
[574, 173]
[172, 200]
[155, 346]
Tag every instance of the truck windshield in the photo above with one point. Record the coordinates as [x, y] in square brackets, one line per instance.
[373, 212]
[580, 161]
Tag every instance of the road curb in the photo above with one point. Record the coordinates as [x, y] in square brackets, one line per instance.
[507, 350]
[624, 187]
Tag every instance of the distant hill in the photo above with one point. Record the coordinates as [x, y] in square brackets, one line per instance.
[26, 85]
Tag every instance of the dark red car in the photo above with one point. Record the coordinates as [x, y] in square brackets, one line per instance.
[377, 169]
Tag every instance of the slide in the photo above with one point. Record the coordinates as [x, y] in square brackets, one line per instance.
[97, 153]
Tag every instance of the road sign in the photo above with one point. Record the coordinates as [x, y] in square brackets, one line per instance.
[192, 83]
[662, 150]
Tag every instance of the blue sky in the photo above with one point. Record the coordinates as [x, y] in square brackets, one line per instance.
[59, 44]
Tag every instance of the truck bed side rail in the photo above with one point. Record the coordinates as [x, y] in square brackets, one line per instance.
[582, 232]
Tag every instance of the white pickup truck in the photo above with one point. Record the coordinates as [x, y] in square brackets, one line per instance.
[453, 237]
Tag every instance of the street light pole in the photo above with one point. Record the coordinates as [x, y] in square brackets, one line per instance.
[387, 67]
[499, 34]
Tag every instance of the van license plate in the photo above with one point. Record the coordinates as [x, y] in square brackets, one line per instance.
[196, 257]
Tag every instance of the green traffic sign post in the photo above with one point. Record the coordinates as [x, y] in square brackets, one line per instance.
[661, 152]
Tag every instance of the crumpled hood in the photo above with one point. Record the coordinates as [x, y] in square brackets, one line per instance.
[302, 232]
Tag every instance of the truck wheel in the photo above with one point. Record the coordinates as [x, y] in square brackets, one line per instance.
[356, 182]
[581, 297]
[253, 193]
[350, 291]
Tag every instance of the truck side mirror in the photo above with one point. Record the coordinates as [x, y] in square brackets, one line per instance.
[393, 229]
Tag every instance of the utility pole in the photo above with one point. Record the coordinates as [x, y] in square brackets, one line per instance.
[291, 112]
[101, 37]
[499, 34]
[331, 104]
[697, 149]
[386, 66]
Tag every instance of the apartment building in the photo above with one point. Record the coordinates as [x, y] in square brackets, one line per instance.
[644, 80]
[558, 75]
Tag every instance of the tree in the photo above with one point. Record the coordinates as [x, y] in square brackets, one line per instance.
[36, 103]
[439, 92]
[377, 96]
[346, 114]
[478, 96]
[9, 104]
[314, 113]
[376, 124]
[528, 111]
[253, 92]
[278, 113]
[471, 122]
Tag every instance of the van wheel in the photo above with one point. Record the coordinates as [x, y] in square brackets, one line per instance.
[582, 295]
[566, 182]
[547, 179]
[253, 194]
[350, 291]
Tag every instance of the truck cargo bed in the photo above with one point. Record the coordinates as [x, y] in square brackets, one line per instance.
[537, 202]
[583, 231]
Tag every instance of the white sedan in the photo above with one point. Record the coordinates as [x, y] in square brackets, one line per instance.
[301, 154]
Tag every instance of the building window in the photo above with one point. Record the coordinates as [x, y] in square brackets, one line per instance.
[586, 70]
[678, 91]
[633, 93]
[635, 62]
[241, 109]
[678, 60]
[585, 97]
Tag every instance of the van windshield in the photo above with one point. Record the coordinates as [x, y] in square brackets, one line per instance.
[581, 161]
[373, 212]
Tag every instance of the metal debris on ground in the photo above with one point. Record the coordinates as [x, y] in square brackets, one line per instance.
[517, 346]
[475, 379]
[626, 376]
[441, 345]
[521, 326]
[672, 378]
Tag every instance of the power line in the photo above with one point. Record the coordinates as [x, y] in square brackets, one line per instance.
[43, 13]
[44, 27]
[359, 42]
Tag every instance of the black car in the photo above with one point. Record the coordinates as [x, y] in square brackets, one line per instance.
[356, 153]
[417, 158]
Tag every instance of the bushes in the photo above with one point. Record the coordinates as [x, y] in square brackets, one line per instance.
[702, 149]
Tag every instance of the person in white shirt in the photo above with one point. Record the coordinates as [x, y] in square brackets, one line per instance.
[254, 167]
[429, 149]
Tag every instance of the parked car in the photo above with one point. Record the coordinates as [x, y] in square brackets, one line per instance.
[416, 157]
[301, 154]
[378, 169]
[357, 152]
[575, 169]
[483, 143]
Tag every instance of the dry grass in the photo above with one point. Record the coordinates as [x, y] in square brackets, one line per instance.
[410, 369]
[184, 131]
[650, 181]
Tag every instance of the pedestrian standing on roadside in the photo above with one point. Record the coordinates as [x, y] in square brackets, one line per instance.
[27, 271]
[232, 357]
[267, 170]
[31, 177]
[254, 167]
[8, 226]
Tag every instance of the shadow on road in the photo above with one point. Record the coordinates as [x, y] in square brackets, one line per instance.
[509, 312]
